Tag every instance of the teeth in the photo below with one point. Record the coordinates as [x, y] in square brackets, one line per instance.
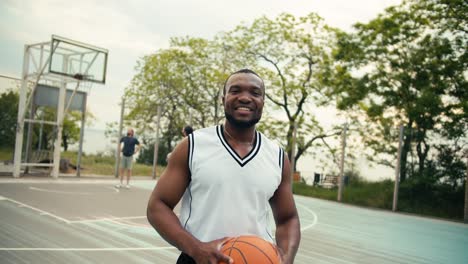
[243, 108]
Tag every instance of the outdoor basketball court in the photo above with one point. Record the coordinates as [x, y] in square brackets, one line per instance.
[89, 221]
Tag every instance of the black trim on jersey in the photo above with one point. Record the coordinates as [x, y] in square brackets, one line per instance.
[190, 207]
[252, 153]
[189, 151]
[256, 151]
[191, 146]
[281, 158]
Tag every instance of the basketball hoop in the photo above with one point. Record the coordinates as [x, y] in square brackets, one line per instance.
[84, 82]
[79, 76]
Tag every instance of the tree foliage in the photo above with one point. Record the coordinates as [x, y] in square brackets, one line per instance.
[8, 114]
[294, 55]
[410, 68]
[186, 81]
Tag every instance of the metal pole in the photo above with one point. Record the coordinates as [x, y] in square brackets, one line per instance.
[80, 147]
[156, 143]
[60, 117]
[343, 148]
[28, 149]
[20, 122]
[58, 139]
[117, 151]
[397, 170]
[41, 128]
[293, 150]
[465, 218]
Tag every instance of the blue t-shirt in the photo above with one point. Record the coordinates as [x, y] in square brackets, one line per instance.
[129, 145]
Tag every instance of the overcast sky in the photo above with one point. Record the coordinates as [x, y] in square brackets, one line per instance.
[131, 29]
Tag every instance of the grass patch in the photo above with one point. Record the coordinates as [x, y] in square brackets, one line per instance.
[436, 201]
[6, 154]
[101, 164]
[96, 164]
[301, 188]
[370, 194]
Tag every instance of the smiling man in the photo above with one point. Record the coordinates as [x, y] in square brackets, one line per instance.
[228, 177]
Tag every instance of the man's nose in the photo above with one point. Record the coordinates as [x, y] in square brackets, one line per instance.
[245, 97]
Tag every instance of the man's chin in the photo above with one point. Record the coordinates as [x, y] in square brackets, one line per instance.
[242, 123]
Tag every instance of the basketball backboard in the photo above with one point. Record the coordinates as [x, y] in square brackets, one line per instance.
[72, 58]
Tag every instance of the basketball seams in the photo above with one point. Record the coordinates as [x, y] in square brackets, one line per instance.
[236, 245]
[259, 249]
[241, 254]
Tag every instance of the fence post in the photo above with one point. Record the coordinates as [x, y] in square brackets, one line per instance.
[117, 151]
[343, 147]
[156, 143]
[293, 150]
[397, 170]
[466, 197]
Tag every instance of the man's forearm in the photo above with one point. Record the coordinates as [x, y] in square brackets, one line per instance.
[288, 236]
[168, 226]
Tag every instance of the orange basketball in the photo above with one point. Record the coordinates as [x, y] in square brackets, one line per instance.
[251, 250]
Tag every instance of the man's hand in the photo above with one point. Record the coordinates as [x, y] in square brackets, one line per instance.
[208, 253]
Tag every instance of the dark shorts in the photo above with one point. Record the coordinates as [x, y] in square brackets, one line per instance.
[185, 259]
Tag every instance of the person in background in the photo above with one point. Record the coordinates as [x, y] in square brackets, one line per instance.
[129, 146]
[187, 131]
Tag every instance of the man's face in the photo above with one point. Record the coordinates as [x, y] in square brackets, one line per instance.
[130, 133]
[244, 99]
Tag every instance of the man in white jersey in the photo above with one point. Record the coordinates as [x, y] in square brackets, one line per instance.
[228, 177]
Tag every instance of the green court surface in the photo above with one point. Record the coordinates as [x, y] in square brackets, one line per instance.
[89, 221]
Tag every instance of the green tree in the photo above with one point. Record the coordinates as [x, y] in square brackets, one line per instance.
[294, 55]
[409, 68]
[9, 115]
[185, 81]
[70, 131]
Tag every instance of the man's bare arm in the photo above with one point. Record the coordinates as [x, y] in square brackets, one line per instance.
[165, 196]
[288, 234]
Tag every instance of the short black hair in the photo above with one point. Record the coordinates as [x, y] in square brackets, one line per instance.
[242, 71]
[188, 130]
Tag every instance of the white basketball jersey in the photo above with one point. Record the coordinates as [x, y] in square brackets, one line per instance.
[229, 195]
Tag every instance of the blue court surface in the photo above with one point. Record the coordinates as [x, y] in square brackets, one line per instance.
[89, 221]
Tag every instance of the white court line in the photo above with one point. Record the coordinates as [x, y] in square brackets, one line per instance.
[41, 212]
[113, 188]
[55, 191]
[130, 224]
[105, 219]
[87, 249]
[3, 198]
[314, 222]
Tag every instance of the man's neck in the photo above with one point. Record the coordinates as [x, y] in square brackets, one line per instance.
[240, 135]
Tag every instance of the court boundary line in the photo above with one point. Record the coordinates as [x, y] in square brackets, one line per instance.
[41, 212]
[314, 222]
[90, 249]
[59, 192]
[105, 219]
